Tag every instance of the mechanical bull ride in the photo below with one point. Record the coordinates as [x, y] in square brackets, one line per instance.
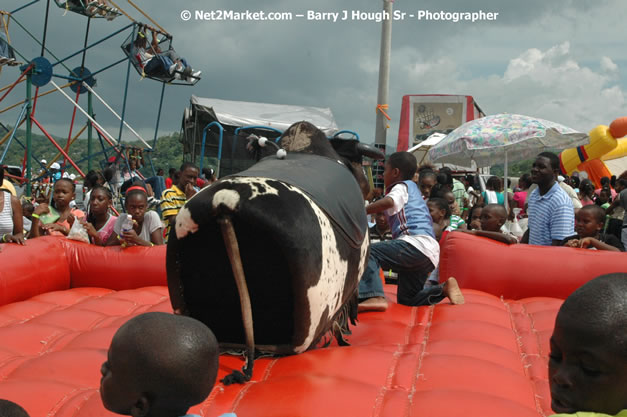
[280, 247]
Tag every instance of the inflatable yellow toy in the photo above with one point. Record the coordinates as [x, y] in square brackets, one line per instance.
[603, 146]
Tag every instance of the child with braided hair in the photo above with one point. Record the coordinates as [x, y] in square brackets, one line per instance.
[99, 222]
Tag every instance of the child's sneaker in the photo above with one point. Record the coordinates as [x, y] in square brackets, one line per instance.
[193, 77]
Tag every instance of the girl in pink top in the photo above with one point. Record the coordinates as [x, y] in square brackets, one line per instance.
[99, 223]
[586, 192]
[63, 193]
[524, 182]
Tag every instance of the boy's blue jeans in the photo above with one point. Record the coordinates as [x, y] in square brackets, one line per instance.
[413, 268]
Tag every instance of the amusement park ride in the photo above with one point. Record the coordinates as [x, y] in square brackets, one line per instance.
[44, 69]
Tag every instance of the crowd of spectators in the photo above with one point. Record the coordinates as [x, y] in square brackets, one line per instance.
[418, 209]
[544, 208]
[111, 197]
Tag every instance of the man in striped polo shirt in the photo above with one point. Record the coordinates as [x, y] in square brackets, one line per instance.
[174, 198]
[550, 211]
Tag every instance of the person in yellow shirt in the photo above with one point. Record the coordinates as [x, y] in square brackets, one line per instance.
[174, 198]
[588, 358]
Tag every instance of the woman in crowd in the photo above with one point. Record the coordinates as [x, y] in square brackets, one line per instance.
[524, 182]
[470, 182]
[494, 191]
[92, 179]
[10, 216]
[586, 192]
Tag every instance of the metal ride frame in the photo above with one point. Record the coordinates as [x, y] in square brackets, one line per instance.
[220, 129]
[39, 72]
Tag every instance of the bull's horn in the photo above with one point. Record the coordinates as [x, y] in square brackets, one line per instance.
[369, 151]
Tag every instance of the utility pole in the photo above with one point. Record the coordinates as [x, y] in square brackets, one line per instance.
[383, 91]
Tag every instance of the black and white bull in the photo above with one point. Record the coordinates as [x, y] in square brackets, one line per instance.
[280, 247]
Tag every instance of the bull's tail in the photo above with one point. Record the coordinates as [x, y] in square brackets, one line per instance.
[232, 248]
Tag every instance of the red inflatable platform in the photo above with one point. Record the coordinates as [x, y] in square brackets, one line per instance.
[63, 301]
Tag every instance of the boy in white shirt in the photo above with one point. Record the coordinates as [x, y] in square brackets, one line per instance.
[413, 252]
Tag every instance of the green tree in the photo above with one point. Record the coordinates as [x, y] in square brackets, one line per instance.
[167, 153]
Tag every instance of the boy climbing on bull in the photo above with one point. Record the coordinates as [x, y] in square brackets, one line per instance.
[413, 252]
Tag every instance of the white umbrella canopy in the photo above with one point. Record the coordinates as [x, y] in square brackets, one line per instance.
[493, 139]
[420, 151]
[503, 138]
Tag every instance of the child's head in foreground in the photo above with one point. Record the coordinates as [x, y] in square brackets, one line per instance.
[10, 409]
[159, 364]
[400, 166]
[588, 359]
[589, 221]
[493, 217]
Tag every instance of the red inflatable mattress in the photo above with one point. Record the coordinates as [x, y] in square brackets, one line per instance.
[63, 302]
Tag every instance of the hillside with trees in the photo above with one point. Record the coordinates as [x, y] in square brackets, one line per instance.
[168, 152]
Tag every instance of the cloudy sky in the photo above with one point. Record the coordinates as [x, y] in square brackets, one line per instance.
[561, 60]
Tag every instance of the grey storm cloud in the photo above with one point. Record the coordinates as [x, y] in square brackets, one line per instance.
[302, 62]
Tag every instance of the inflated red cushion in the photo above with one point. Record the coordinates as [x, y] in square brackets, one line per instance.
[485, 358]
[36, 268]
[55, 263]
[114, 267]
[519, 271]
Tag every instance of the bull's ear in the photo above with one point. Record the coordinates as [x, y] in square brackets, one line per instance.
[369, 151]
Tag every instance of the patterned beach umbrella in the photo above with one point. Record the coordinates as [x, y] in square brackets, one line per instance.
[497, 138]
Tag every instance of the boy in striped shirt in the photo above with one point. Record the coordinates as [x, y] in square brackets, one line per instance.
[174, 198]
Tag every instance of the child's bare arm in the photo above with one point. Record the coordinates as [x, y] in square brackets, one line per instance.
[499, 237]
[380, 205]
[155, 43]
[573, 243]
[587, 242]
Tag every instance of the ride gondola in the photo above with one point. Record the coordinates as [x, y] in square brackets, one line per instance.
[93, 8]
[157, 59]
[7, 54]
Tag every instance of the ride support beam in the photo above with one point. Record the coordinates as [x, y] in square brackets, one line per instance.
[94, 122]
[98, 42]
[8, 134]
[29, 133]
[41, 95]
[43, 41]
[59, 155]
[11, 134]
[154, 140]
[90, 111]
[69, 136]
[137, 135]
[128, 75]
[161, 30]
[26, 71]
[24, 6]
[9, 86]
[93, 74]
[56, 145]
